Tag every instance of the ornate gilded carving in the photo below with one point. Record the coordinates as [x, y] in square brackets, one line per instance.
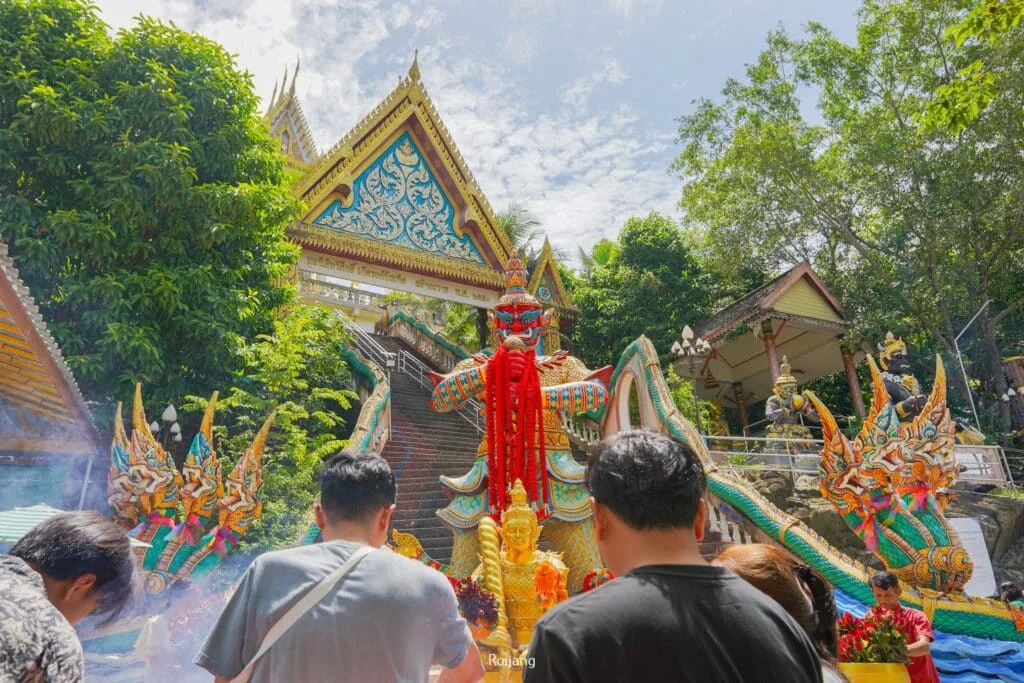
[397, 201]
[171, 512]
[397, 255]
[526, 581]
[353, 151]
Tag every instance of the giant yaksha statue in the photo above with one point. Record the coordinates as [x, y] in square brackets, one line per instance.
[524, 392]
[905, 391]
[786, 409]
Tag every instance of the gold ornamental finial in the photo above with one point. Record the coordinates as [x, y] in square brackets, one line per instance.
[784, 373]
[516, 281]
[414, 70]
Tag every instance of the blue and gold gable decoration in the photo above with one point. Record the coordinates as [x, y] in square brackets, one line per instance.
[396, 193]
[546, 283]
[397, 201]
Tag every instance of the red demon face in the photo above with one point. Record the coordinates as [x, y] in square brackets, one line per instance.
[525, 321]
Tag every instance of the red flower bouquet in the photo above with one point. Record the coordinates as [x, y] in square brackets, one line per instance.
[876, 639]
[477, 606]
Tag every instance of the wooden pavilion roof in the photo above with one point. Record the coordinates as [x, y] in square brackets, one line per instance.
[807, 321]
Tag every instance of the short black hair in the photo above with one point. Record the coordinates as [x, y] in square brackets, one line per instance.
[649, 480]
[353, 486]
[71, 544]
[884, 580]
[1008, 592]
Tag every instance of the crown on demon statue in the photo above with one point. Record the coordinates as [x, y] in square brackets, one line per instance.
[516, 279]
[892, 346]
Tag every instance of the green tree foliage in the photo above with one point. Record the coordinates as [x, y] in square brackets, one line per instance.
[650, 282]
[962, 98]
[915, 232]
[300, 370]
[521, 227]
[140, 195]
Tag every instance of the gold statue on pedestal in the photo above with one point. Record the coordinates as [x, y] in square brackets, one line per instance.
[526, 582]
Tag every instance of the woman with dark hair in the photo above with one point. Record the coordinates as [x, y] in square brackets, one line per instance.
[801, 591]
[66, 568]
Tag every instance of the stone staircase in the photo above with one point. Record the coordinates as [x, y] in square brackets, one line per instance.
[712, 543]
[424, 445]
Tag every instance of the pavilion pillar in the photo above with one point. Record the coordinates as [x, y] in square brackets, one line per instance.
[854, 384]
[741, 405]
[768, 335]
[482, 328]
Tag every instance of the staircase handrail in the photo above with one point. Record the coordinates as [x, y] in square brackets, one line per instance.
[434, 345]
[367, 345]
[373, 426]
[413, 367]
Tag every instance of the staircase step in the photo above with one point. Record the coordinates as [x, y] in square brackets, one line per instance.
[424, 445]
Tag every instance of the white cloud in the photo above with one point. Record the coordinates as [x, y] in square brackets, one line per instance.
[579, 91]
[626, 7]
[581, 170]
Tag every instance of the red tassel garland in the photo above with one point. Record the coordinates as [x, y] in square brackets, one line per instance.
[515, 431]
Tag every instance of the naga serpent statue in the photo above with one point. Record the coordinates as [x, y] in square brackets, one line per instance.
[892, 483]
[172, 511]
[524, 393]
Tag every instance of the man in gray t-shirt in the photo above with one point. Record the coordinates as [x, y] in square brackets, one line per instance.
[389, 619]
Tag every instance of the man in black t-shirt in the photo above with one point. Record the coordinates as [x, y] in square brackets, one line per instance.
[669, 616]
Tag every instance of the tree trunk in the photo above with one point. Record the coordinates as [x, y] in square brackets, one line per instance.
[482, 330]
[994, 362]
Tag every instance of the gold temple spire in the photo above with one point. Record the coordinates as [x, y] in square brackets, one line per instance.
[207, 425]
[284, 83]
[295, 75]
[414, 70]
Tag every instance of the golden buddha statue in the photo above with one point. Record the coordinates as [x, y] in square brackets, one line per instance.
[526, 581]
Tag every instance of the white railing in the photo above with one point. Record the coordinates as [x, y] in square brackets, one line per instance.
[796, 456]
[586, 432]
[983, 465]
[978, 464]
[426, 345]
[331, 293]
[369, 346]
[413, 367]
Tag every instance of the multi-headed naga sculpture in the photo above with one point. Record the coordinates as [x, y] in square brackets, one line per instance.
[191, 519]
[892, 484]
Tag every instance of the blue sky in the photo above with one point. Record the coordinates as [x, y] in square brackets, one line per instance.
[566, 107]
